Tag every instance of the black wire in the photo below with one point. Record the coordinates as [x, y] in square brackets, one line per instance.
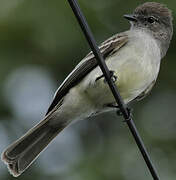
[123, 108]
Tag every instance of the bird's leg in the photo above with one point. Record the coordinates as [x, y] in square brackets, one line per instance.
[119, 113]
[112, 76]
[115, 106]
[110, 105]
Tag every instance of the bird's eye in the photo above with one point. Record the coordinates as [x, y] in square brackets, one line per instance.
[151, 19]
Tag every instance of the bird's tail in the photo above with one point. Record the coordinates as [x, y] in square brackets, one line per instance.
[19, 155]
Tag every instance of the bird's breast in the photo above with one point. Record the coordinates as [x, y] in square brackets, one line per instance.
[136, 66]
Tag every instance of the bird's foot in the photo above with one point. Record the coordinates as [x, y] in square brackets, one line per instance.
[129, 110]
[111, 105]
[112, 76]
[119, 112]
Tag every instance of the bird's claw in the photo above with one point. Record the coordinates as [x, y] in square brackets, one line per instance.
[129, 110]
[112, 76]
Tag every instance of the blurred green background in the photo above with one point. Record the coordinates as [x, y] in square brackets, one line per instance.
[40, 43]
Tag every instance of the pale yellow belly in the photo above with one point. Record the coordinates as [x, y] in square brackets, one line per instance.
[132, 79]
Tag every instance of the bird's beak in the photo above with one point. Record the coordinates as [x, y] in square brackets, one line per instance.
[130, 17]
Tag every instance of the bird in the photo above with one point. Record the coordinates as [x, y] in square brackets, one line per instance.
[133, 57]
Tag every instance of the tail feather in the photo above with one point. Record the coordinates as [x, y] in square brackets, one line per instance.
[24, 151]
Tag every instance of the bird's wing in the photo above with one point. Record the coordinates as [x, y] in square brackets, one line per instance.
[107, 48]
